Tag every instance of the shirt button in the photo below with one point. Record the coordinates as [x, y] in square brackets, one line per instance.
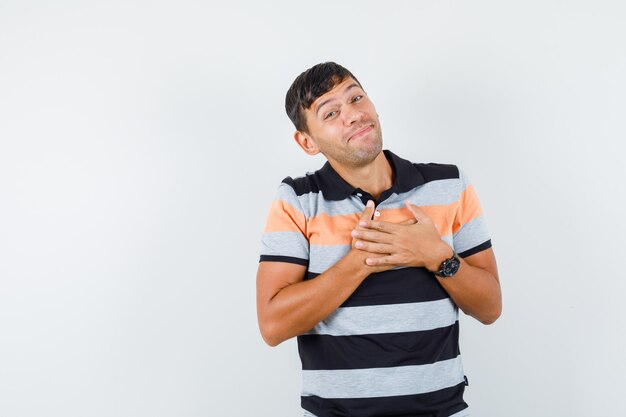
[359, 195]
[377, 213]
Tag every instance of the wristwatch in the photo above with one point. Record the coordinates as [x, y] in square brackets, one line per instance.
[449, 267]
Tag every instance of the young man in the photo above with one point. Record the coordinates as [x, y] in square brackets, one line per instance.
[367, 261]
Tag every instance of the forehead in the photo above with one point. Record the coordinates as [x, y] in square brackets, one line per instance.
[347, 84]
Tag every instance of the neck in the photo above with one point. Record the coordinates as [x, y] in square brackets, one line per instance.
[374, 178]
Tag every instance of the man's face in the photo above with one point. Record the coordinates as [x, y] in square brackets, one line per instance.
[344, 126]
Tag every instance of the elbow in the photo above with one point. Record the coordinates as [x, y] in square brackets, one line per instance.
[270, 341]
[488, 320]
[491, 316]
[269, 334]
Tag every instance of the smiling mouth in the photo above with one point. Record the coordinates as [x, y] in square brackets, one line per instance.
[364, 130]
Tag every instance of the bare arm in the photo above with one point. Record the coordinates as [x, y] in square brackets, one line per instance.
[475, 288]
[287, 305]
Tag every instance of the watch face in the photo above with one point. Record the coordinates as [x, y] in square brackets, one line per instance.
[450, 267]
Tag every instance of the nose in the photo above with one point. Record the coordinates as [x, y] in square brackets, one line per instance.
[351, 115]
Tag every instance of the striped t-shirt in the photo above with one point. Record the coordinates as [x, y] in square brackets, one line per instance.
[392, 348]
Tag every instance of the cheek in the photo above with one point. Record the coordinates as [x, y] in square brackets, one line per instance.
[331, 136]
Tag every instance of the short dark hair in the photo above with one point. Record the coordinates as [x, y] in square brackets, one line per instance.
[311, 84]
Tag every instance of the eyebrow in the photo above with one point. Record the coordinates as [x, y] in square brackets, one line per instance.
[323, 103]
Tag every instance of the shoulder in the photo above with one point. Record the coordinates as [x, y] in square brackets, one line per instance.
[451, 174]
[308, 183]
[437, 171]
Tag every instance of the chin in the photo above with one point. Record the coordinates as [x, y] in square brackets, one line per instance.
[365, 156]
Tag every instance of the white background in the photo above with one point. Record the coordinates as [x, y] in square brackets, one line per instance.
[141, 144]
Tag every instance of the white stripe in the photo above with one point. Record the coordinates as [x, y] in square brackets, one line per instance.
[383, 382]
[390, 318]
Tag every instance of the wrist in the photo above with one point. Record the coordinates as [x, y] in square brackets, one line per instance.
[353, 264]
[440, 254]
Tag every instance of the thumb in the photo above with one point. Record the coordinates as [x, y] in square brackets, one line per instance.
[417, 212]
[368, 213]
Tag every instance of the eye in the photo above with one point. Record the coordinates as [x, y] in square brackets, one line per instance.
[357, 98]
[330, 114]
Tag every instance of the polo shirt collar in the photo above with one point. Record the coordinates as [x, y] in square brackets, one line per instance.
[406, 177]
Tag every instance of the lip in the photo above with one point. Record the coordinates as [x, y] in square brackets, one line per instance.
[361, 132]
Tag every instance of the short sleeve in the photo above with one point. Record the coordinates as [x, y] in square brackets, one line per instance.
[284, 238]
[470, 234]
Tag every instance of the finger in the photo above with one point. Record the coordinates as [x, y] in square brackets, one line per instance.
[417, 212]
[381, 261]
[372, 236]
[408, 222]
[374, 247]
[368, 213]
[384, 227]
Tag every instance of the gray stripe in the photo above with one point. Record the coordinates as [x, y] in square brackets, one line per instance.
[314, 204]
[465, 181]
[448, 240]
[308, 414]
[439, 192]
[383, 382]
[288, 195]
[390, 318]
[434, 193]
[463, 413]
[470, 235]
[285, 244]
[325, 256]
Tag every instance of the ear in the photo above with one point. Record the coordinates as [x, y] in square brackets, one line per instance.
[306, 142]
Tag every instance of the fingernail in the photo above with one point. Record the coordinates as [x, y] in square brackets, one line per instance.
[370, 203]
[359, 244]
[355, 233]
[363, 223]
[369, 261]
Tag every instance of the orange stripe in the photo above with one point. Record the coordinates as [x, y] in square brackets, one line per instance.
[335, 230]
[469, 208]
[332, 230]
[441, 215]
[283, 217]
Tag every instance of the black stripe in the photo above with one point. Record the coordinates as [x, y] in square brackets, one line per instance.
[311, 275]
[442, 403]
[288, 259]
[303, 185]
[407, 176]
[435, 172]
[476, 249]
[406, 285]
[379, 350]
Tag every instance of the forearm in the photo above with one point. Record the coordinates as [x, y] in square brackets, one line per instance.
[298, 307]
[476, 291]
